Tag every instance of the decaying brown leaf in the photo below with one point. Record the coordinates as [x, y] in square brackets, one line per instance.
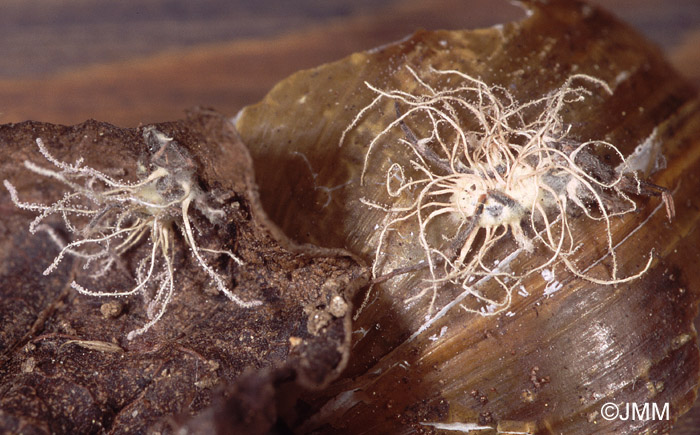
[66, 365]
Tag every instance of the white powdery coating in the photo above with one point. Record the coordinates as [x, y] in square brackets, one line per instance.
[646, 157]
[458, 427]
[547, 275]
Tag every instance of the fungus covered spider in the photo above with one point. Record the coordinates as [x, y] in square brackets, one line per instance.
[110, 217]
[485, 161]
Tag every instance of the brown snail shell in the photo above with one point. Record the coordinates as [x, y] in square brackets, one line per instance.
[551, 362]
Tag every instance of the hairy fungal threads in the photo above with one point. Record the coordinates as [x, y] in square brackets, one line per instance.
[109, 218]
[495, 168]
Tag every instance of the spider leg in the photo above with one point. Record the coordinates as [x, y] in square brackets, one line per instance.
[463, 241]
[400, 271]
[631, 183]
[419, 146]
[472, 229]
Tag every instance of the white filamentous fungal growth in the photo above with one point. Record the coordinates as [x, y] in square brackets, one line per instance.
[109, 217]
[498, 168]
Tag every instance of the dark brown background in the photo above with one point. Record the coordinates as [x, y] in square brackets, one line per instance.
[130, 62]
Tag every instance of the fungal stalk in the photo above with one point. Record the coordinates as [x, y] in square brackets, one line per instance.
[495, 168]
[108, 218]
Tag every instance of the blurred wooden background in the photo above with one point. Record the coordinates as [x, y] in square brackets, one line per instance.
[140, 61]
[129, 62]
